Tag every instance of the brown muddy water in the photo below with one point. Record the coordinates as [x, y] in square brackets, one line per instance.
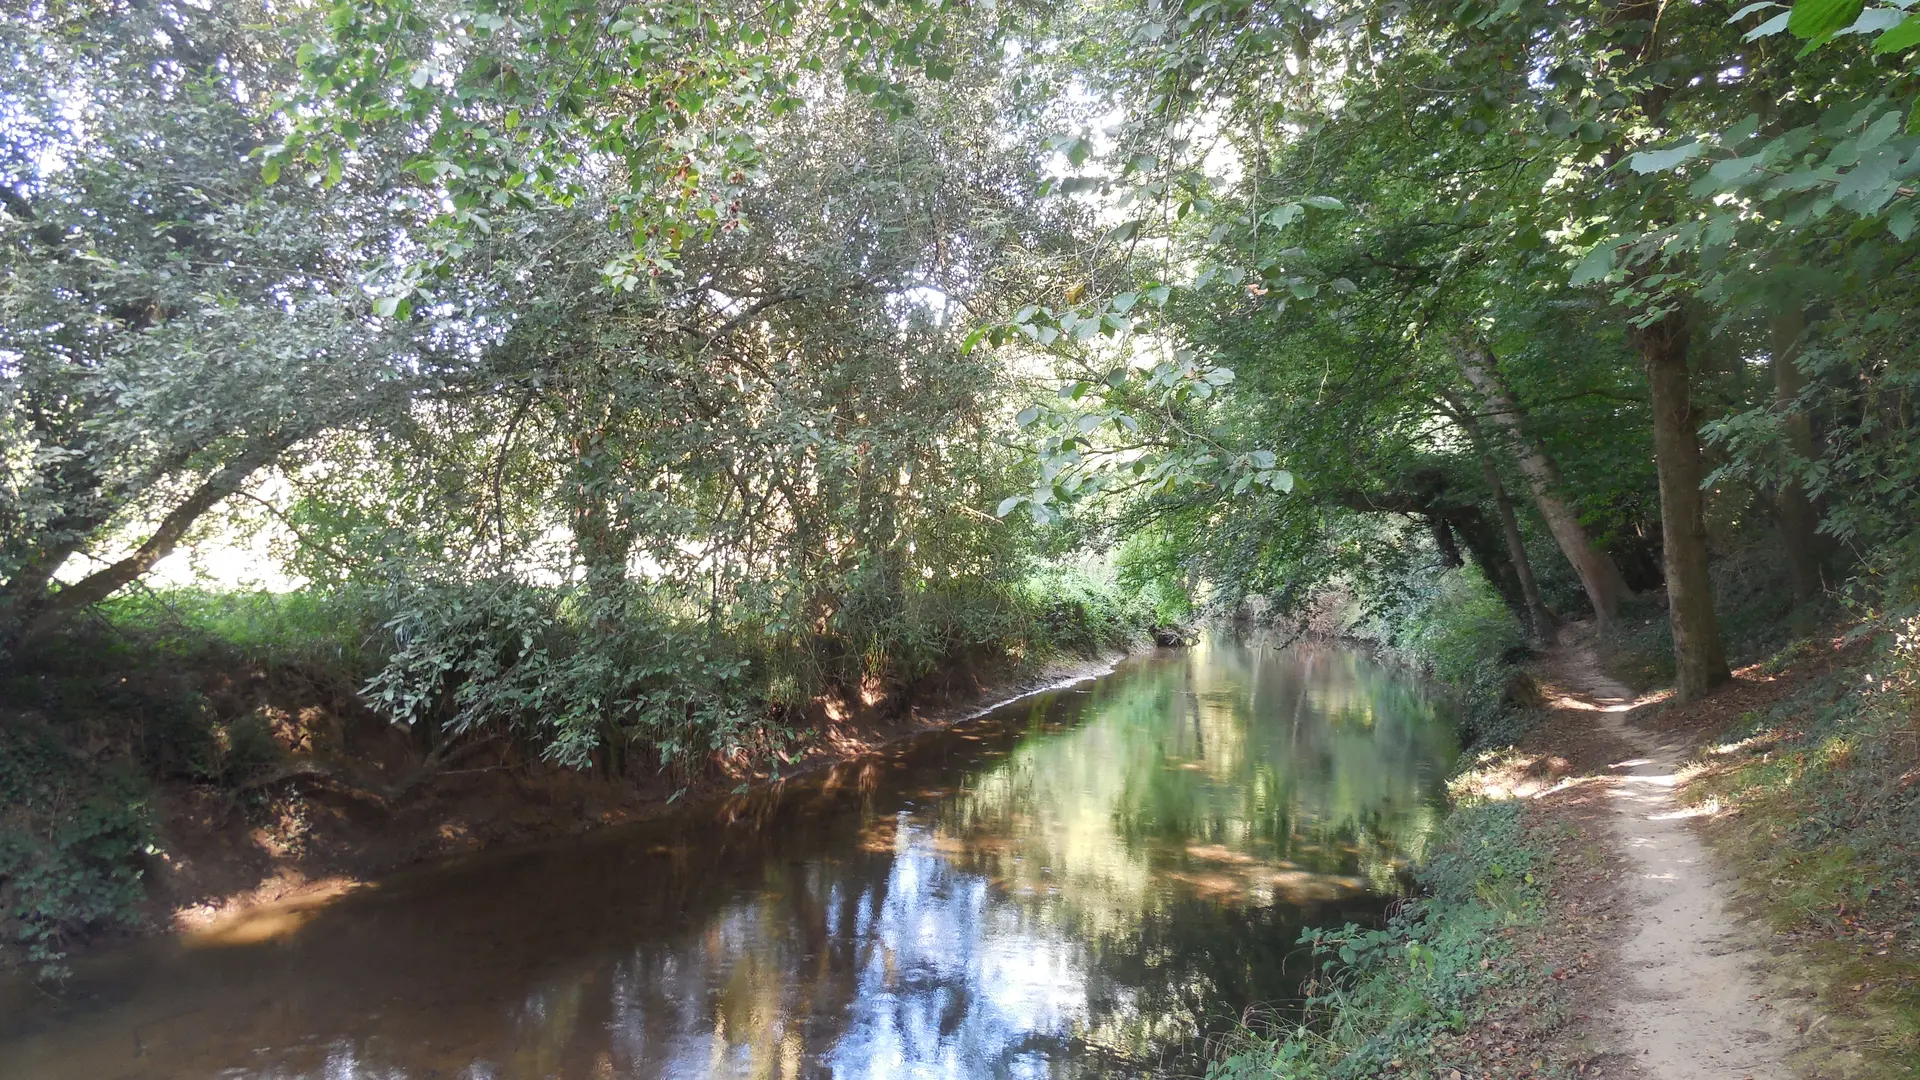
[1089, 882]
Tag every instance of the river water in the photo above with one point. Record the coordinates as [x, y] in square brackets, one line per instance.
[1089, 882]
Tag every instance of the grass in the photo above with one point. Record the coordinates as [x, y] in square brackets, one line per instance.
[1385, 999]
[1816, 811]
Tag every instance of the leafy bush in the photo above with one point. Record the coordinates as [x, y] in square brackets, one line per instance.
[1462, 628]
[583, 672]
[1150, 567]
[73, 836]
[633, 670]
[1455, 627]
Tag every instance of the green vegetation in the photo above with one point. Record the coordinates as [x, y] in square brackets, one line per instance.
[1382, 995]
[71, 844]
[1813, 795]
[642, 388]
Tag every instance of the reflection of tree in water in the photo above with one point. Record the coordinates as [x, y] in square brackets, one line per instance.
[1200, 816]
[1097, 901]
[1129, 870]
[1192, 967]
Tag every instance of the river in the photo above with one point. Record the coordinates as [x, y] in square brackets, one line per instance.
[1088, 882]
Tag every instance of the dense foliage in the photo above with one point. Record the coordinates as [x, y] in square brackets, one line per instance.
[638, 384]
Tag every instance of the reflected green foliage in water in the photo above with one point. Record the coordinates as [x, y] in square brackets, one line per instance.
[1086, 884]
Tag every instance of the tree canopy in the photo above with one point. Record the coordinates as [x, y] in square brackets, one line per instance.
[659, 368]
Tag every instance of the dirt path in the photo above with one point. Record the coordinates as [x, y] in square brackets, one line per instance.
[1690, 1002]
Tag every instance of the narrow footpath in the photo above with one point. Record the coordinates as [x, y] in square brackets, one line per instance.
[1689, 1001]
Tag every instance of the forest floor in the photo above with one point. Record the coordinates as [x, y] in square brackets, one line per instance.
[1653, 958]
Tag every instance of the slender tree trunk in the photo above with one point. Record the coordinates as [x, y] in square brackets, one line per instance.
[1793, 511]
[1542, 625]
[1492, 555]
[1700, 661]
[1598, 574]
[1443, 541]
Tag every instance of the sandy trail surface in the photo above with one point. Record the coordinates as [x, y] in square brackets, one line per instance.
[1691, 1002]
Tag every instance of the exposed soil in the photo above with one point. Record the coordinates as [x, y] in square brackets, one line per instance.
[1649, 966]
[1692, 1000]
[320, 825]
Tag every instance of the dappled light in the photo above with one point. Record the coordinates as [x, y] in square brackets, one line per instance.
[559, 539]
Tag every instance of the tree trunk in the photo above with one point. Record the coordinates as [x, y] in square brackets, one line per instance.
[1491, 555]
[1542, 626]
[173, 528]
[1793, 511]
[1443, 541]
[1598, 574]
[1541, 623]
[1700, 662]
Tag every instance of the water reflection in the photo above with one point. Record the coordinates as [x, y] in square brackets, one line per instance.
[1082, 885]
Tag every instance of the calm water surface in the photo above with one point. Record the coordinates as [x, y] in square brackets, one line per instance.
[1085, 883]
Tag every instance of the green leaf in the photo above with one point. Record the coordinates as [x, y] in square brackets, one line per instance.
[1775, 25]
[1653, 161]
[1007, 505]
[1595, 267]
[1821, 18]
[1324, 202]
[1281, 216]
[1900, 222]
[1762, 5]
[1901, 38]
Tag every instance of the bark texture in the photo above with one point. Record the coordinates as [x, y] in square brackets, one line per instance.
[1598, 575]
[1542, 625]
[1700, 661]
[1794, 512]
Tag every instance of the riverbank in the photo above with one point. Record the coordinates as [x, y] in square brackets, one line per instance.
[332, 803]
[1640, 888]
[1088, 881]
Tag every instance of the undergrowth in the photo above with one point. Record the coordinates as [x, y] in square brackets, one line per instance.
[1754, 605]
[1457, 630]
[73, 833]
[1382, 996]
[1817, 811]
[183, 686]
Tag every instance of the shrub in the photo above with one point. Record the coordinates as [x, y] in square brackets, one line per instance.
[73, 837]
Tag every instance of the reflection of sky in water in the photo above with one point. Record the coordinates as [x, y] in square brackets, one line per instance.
[933, 1002]
[1129, 867]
